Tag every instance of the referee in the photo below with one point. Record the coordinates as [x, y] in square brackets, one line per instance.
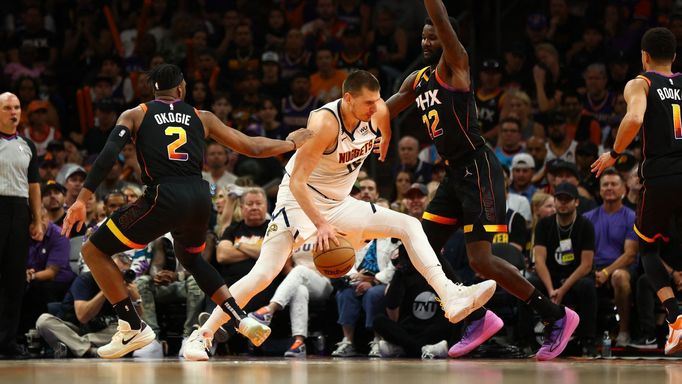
[19, 190]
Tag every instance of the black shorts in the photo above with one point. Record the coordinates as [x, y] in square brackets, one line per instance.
[659, 202]
[181, 206]
[472, 196]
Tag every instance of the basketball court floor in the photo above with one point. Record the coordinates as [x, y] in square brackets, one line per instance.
[344, 371]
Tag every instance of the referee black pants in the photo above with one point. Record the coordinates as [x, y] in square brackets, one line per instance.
[14, 240]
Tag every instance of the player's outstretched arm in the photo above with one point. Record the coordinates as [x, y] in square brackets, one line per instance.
[455, 55]
[106, 159]
[635, 96]
[404, 97]
[325, 128]
[248, 145]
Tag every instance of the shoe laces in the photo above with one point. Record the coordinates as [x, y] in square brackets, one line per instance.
[204, 341]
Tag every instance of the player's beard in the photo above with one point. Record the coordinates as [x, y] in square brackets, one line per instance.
[434, 58]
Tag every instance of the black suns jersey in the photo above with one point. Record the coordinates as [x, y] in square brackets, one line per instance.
[170, 141]
[449, 116]
[662, 126]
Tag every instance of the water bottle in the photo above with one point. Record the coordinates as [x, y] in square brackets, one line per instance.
[606, 346]
[319, 343]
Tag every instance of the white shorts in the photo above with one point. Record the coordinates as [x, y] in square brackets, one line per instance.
[348, 216]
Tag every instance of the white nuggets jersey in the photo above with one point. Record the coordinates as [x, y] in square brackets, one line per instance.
[337, 170]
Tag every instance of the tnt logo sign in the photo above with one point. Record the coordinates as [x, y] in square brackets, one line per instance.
[424, 306]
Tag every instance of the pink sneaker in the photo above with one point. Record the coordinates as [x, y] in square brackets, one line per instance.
[476, 333]
[557, 335]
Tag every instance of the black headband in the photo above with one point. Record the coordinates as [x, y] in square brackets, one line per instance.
[162, 86]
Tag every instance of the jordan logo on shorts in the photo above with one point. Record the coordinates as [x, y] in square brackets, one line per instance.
[466, 172]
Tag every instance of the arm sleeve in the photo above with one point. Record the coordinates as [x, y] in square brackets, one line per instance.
[32, 172]
[118, 137]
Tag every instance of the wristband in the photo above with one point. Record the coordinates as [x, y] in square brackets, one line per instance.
[293, 143]
[614, 154]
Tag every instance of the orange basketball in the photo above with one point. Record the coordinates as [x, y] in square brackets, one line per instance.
[336, 261]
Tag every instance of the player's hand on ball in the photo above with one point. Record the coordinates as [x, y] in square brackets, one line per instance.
[326, 233]
[300, 136]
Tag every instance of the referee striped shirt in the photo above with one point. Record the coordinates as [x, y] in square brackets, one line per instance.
[18, 165]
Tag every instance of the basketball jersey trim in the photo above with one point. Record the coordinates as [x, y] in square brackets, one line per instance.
[376, 131]
[198, 249]
[329, 152]
[342, 125]
[121, 237]
[448, 86]
[419, 76]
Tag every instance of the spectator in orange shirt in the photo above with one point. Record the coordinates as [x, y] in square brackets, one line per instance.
[326, 83]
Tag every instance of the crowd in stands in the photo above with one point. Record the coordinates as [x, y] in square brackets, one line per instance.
[548, 103]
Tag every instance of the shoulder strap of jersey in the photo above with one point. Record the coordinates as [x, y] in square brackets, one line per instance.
[144, 107]
[419, 76]
[648, 81]
[645, 78]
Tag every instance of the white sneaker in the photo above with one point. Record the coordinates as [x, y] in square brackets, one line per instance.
[374, 349]
[254, 331]
[673, 343]
[462, 300]
[387, 349]
[194, 349]
[182, 346]
[435, 351]
[623, 339]
[153, 350]
[344, 348]
[126, 340]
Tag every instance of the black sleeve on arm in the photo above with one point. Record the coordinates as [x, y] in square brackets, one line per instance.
[118, 137]
[32, 173]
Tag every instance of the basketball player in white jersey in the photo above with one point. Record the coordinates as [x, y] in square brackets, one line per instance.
[314, 199]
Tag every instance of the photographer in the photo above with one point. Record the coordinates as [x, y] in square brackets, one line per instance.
[88, 320]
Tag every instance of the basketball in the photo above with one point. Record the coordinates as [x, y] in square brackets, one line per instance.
[337, 260]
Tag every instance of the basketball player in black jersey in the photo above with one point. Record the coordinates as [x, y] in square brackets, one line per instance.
[654, 101]
[169, 136]
[472, 194]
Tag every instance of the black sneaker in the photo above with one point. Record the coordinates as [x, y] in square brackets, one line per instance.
[644, 343]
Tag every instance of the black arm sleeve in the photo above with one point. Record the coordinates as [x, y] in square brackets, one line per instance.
[118, 137]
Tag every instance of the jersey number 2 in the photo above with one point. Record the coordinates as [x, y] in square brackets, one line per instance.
[677, 121]
[177, 143]
[431, 121]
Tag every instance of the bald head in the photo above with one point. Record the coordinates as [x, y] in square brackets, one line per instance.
[10, 112]
[408, 150]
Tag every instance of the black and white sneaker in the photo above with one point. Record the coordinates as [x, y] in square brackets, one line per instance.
[644, 343]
